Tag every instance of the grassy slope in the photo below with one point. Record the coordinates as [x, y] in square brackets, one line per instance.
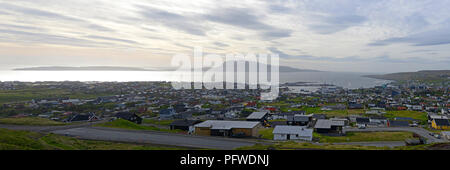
[422, 116]
[24, 140]
[291, 145]
[266, 133]
[427, 76]
[11, 96]
[32, 121]
[125, 124]
[158, 122]
[365, 137]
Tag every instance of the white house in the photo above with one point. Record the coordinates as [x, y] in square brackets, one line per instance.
[282, 132]
[446, 134]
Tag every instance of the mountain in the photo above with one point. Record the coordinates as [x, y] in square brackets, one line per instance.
[116, 68]
[281, 68]
[424, 75]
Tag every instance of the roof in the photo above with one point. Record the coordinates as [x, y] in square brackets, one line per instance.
[319, 116]
[166, 111]
[184, 122]
[404, 118]
[323, 124]
[222, 124]
[362, 120]
[298, 118]
[257, 115]
[278, 123]
[300, 130]
[399, 123]
[442, 122]
[337, 123]
[125, 115]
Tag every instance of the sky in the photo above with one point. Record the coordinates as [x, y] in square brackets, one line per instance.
[377, 36]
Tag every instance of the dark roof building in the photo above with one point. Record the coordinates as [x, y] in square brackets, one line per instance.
[186, 125]
[129, 116]
[398, 123]
[362, 120]
[82, 117]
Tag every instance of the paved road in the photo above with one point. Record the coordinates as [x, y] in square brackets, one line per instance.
[45, 129]
[420, 131]
[149, 137]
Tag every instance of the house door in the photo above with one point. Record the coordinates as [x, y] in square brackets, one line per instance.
[288, 137]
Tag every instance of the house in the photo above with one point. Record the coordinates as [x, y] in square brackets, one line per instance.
[258, 116]
[398, 123]
[129, 116]
[362, 121]
[283, 115]
[328, 126]
[166, 113]
[355, 106]
[180, 108]
[334, 107]
[186, 125]
[277, 123]
[405, 119]
[376, 111]
[184, 115]
[442, 124]
[319, 116]
[82, 117]
[378, 121]
[292, 133]
[228, 128]
[446, 134]
[299, 120]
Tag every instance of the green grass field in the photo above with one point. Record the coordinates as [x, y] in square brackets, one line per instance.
[266, 133]
[332, 113]
[158, 122]
[11, 96]
[421, 116]
[24, 140]
[365, 137]
[125, 124]
[32, 121]
[291, 145]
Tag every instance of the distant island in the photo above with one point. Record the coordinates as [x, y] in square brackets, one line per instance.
[87, 68]
[424, 75]
[118, 68]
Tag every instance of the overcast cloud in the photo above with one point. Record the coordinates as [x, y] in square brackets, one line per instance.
[344, 35]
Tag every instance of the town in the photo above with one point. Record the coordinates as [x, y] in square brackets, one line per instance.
[394, 115]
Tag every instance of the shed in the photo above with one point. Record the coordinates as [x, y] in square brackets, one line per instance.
[292, 133]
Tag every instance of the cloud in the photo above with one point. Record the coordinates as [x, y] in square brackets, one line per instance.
[220, 44]
[112, 39]
[428, 38]
[244, 18]
[185, 23]
[37, 13]
[333, 24]
[30, 37]
[99, 28]
[22, 27]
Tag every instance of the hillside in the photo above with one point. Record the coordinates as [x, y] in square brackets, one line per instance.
[425, 75]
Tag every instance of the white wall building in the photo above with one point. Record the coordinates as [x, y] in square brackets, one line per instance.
[292, 133]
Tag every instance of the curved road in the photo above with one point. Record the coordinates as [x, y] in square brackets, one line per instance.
[86, 131]
[152, 137]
